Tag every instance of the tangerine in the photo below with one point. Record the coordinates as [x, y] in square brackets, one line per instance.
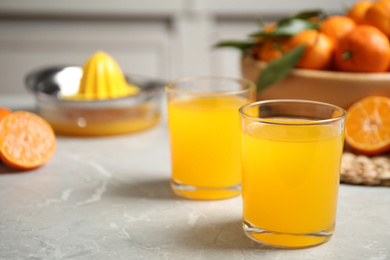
[271, 49]
[378, 15]
[358, 11]
[4, 112]
[336, 26]
[27, 141]
[367, 125]
[268, 29]
[364, 49]
[318, 50]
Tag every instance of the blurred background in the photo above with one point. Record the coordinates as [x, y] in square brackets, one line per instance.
[162, 39]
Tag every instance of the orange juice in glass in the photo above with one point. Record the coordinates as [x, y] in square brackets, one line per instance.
[205, 136]
[291, 156]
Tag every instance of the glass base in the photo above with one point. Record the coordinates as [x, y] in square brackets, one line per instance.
[203, 193]
[287, 240]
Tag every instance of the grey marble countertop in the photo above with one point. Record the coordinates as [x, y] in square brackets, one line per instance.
[109, 198]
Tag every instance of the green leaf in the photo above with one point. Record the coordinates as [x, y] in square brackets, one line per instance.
[294, 26]
[236, 44]
[288, 27]
[309, 14]
[278, 69]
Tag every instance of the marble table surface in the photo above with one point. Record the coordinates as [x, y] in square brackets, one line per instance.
[109, 198]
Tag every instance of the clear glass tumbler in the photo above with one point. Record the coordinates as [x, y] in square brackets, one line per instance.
[205, 135]
[291, 157]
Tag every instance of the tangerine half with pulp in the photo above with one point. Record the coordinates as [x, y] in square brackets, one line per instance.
[4, 112]
[367, 125]
[27, 141]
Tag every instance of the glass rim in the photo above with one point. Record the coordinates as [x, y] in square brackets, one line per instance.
[292, 123]
[169, 85]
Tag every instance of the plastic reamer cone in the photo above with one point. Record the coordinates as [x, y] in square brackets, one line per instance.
[102, 79]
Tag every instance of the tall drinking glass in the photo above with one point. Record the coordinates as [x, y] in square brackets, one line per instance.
[291, 156]
[205, 135]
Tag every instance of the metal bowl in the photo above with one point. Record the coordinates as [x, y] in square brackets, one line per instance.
[97, 117]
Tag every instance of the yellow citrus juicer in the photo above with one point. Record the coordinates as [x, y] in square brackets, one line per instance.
[102, 79]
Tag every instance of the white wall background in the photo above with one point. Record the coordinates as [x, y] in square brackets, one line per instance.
[163, 39]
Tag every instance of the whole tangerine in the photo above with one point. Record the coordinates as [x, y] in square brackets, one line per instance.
[268, 29]
[336, 26]
[364, 49]
[271, 49]
[378, 15]
[358, 11]
[318, 50]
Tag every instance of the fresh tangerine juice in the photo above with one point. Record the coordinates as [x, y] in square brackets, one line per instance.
[290, 181]
[103, 128]
[101, 122]
[205, 144]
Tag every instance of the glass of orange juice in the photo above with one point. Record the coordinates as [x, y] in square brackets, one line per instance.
[291, 156]
[205, 135]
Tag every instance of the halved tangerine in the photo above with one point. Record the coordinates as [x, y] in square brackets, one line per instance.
[367, 125]
[27, 141]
